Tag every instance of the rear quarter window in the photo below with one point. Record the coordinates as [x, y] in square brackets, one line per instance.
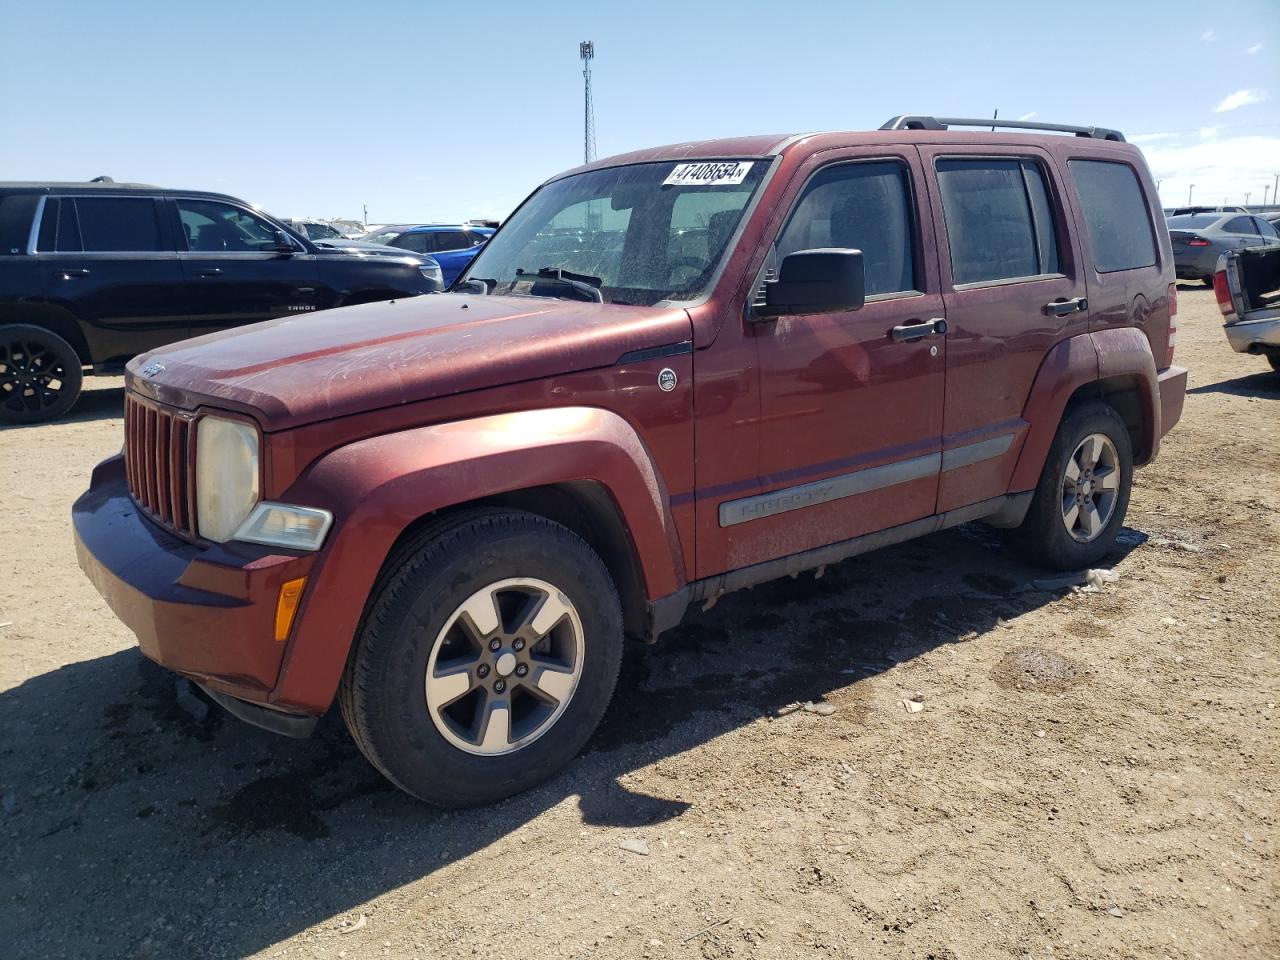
[1116, 215]
[16, 212]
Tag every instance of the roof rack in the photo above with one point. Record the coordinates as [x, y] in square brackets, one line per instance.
[942, 123]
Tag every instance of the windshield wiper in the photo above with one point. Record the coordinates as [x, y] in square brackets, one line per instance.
[580, 282]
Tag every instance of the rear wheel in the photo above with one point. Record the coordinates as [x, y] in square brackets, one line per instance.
[40, 374]
[486, 659]
[1207, 281]
[1083, 493]
[1274, 360]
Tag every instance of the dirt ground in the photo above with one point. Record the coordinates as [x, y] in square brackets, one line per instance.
[1092, 775]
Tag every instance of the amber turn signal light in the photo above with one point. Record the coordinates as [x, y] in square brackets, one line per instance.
[287, 606]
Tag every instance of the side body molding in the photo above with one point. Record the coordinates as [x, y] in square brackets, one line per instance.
[1122, 353]
[377, 487]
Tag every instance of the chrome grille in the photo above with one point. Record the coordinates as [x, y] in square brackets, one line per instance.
[159, 459]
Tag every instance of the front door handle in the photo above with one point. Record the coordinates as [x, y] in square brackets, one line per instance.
[70, 272]
[1062, 308]
[915, 331]
[211, 272]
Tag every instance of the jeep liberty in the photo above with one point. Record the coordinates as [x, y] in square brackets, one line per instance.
[671, 374]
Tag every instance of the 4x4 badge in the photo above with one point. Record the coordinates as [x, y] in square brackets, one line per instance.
[666, 380]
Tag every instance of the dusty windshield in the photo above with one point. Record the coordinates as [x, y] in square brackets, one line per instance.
[635, 234]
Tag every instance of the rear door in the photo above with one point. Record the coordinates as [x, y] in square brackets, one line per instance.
[1013, 288]
[234, 273]
[1267, 231]
[1243, 231]
[111, 262]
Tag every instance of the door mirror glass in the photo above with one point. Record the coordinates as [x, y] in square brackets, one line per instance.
[816, 281]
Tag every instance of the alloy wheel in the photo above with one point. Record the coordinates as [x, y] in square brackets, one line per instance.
[505, 666]
[32, 376]
[1090, 487]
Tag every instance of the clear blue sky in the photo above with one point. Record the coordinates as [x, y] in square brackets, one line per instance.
[443, 111]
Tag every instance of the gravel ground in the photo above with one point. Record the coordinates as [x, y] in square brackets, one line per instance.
[1089, 775]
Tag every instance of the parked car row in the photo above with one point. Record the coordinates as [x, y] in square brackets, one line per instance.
[92, 274]
[1199, 239]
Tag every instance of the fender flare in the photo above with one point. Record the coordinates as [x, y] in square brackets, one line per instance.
[1120, 353]
[377, 488]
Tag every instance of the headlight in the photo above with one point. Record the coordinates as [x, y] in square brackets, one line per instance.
[226, 476]
[433, 273]
[284, 525]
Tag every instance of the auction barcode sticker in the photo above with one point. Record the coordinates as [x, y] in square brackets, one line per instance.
[714, 174]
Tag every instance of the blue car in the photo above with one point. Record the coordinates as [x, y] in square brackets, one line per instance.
[452, 246]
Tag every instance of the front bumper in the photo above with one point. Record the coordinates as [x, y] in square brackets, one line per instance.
[1255, 335]
[1173, 393]
[207, 612]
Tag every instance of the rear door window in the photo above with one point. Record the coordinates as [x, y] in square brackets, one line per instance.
[450, 240]
[16, 213]
[1116, 214]
[860, 206]
[1239, 225]
[112, 225]
[999, 219]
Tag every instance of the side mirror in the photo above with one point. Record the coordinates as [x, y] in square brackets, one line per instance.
[284, 242]
[816, 281]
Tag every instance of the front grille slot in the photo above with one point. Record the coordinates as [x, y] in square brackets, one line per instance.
[159, 464]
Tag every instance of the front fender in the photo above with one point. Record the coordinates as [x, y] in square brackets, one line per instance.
[377, 487]
[1117, 353]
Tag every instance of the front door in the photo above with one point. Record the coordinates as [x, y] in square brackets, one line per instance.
[850, 416]
[235, 273]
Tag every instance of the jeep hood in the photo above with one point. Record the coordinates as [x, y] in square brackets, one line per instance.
[298, 370]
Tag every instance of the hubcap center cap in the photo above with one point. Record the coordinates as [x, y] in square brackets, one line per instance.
[506, 664]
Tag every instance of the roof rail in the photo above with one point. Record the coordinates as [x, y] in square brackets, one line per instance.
[942, 123]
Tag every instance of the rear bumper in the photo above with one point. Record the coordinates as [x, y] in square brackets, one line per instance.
[205, 612]
[1261, 335]
[1173, 393]
[1196, 265]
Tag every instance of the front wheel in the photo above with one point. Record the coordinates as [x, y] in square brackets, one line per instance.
[486, 659]
[40, 374]
[1083, 493]
[1274, 360]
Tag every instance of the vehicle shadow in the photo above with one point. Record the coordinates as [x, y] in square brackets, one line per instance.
[142, 821]
[95, 403]
[1263, 384]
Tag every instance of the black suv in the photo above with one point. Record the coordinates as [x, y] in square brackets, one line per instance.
[92, 274]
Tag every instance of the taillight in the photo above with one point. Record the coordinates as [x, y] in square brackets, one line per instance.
[1222, 290]
[1173, 325]
[1198, 242]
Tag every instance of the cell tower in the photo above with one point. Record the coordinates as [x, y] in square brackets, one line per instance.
[587, 51]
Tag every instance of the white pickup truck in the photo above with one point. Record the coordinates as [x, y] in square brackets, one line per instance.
[1247, 284]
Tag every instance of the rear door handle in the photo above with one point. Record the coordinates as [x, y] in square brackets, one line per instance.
[70, 272]
[211, 272]
[916, 331]
[1062, 308]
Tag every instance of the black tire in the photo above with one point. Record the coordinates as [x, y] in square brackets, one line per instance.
[1207, 281]
[1274, 360]
[1043, 538]
[40, 374]
[382, 694]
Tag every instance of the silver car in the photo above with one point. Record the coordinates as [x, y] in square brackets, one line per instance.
[1200, 238]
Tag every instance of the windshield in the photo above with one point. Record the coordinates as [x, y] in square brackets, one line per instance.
[641, 233]
[321, 231]
[382, 236]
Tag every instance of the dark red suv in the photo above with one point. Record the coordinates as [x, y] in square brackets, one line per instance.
[671, 374]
